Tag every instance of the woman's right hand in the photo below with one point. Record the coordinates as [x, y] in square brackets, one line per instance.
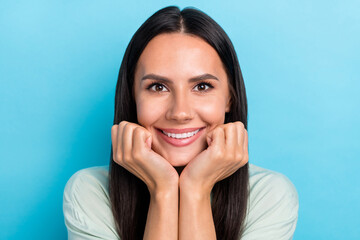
[131, 145]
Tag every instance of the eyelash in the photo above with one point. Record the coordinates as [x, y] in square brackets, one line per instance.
[208, 84]
[152, 84]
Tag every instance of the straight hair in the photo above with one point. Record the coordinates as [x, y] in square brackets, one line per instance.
[129, 196]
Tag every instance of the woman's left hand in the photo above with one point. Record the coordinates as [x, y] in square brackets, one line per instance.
[227, 152]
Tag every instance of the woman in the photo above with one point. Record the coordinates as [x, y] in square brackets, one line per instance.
[179, 159]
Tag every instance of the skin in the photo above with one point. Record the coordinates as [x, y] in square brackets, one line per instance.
[180, 206]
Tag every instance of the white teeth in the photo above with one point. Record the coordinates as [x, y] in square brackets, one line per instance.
[181, 135]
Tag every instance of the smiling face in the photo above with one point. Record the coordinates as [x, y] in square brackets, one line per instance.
[181, 93]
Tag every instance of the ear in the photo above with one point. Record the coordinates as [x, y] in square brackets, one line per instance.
[228, 105]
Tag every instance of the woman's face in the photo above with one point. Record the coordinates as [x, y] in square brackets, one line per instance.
[181, 92]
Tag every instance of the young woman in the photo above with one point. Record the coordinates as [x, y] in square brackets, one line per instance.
[179, 159]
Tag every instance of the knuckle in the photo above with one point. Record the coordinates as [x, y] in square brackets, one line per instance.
[136, 155]
[123, 123]
[218, 130]
[114, 133]
[239, 157]
[242, 159]
[246, 158]
[126, 159]
[232, 156]
[114, 128]
[219, 153]
[229, 127]
[137, 131]
[118, 156]
[240, 124]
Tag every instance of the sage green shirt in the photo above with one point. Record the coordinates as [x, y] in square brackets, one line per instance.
[272, 208]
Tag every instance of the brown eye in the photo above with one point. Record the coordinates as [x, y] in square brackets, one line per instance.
[201, 87]
[156, 87]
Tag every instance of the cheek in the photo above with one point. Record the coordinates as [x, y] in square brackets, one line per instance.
[212, 111]
[148, 112]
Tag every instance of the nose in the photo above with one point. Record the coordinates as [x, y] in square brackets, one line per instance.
[180, 108]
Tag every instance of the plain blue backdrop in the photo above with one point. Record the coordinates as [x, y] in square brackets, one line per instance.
[59, 62]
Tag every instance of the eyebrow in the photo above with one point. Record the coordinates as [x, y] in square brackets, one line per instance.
[193, 79]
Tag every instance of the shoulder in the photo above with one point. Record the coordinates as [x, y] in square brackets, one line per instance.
[86, 205]
[87, 181]
[272, 207]
[264, 182]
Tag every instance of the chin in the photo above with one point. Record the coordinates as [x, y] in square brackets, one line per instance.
[176, 162]
[179, 159]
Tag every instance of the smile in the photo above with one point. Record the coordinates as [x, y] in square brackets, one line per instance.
[180, 137]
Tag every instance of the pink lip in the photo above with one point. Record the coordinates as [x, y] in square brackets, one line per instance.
[180, 142]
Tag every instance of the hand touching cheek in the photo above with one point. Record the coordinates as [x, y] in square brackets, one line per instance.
[226, 153]
[132, 150]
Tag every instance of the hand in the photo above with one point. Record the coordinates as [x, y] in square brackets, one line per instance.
[227, 152]
[132, 150]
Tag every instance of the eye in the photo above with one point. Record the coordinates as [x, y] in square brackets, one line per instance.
[203, 86]
[157, 87]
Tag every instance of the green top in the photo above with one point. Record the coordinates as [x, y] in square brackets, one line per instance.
[272, 209]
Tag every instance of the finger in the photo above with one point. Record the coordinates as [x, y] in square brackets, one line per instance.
[244, 146]
[149, 141]
[114, 141]
[210, 135]
[140, 155]
[217, 137]
[232, 141]
[141, 140]
[127, 151]
[127, 135]
[246, 143]
[114, 131]
[231, 138]
[240, 134]
[119, 151]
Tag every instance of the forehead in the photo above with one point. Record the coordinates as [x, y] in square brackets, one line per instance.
[179, 53]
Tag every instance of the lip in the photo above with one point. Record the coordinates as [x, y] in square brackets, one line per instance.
[180, 142]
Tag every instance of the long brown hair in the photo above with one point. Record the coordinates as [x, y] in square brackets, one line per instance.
[129, 196]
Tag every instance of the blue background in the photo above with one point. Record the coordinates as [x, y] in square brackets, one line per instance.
[59, 62]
